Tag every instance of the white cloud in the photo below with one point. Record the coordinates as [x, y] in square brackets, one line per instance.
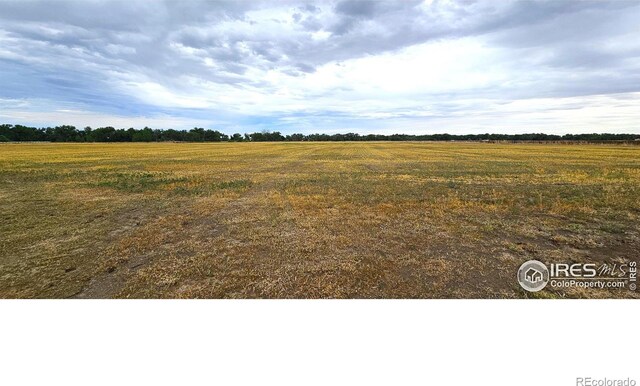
[80, 118]
[420, 66]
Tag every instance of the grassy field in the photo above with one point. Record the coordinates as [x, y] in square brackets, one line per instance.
[309, 220]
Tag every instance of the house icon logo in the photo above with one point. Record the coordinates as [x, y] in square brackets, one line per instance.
[533, 275]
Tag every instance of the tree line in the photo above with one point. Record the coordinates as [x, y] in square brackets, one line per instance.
[67, 133]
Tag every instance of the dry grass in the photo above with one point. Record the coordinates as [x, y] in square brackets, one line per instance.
[309, 220]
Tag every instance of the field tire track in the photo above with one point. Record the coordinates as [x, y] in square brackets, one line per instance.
[111, 282]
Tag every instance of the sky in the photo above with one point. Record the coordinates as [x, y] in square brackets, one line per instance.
[414, 67]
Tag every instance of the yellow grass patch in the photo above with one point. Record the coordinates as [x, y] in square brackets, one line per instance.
[402, 219]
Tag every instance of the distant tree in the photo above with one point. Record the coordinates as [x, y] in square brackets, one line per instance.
[86, 134]
[4, 139]
[67, 133]
[25, 133]
[318, 137]
[215, 136]
[267, 136]
[172, 135]
[6, 131]
[121, 135]
[131, 132]
[196, 134]
[144, 135]
[103, 134]
[295, 137]
[257, 137]
[276, 136]
[63, 134]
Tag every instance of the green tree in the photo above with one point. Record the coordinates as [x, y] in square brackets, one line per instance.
[295, 137]
[196, 134]
[144, 135]
[103, 134]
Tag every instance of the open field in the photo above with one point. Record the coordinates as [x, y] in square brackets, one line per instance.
[309, 220]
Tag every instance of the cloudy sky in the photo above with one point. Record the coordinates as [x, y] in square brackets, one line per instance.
[369, 67]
